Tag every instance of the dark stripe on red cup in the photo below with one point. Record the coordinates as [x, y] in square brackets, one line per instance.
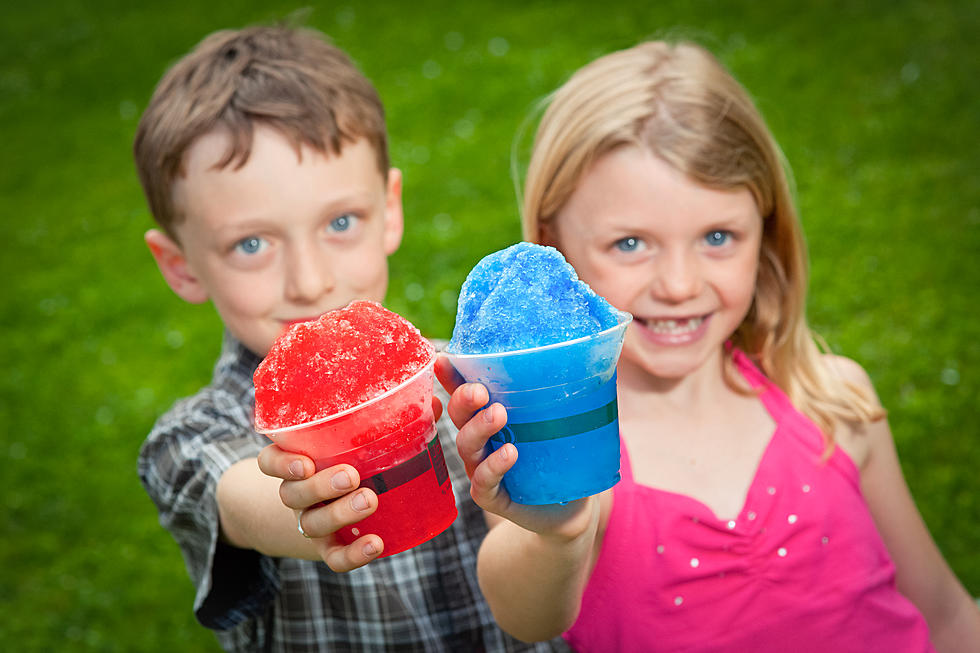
[431, 458]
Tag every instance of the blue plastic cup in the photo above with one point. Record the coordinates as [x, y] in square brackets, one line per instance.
[561, 413]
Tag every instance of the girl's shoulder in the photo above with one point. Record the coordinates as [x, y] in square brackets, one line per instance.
[851, 436]
[848, 370]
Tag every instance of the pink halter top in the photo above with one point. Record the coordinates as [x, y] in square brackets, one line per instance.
[801, 568]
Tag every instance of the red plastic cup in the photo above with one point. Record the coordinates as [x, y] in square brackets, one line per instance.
[391, 441]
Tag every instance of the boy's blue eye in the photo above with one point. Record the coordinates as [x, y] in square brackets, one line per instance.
[629, 244]
[717, 238]
[250, 245]
[342, 222]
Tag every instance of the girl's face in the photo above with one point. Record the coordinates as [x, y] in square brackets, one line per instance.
[682, 258]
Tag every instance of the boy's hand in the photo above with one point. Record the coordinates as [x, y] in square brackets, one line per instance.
[486, 472]
[324, 502]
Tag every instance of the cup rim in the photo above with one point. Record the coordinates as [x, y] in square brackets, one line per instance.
[623, 321]
[427, 367]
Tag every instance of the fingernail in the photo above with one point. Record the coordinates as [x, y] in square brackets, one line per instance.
[296, 469]
[341, 481]
[468, 393]
[488, 414]
[359, 502]
[370, 549]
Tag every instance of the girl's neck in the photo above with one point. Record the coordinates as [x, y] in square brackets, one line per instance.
[703, 387]
[693, 435]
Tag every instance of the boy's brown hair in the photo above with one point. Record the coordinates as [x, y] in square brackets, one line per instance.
[288, 78]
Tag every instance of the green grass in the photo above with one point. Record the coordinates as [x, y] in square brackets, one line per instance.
[874, 103]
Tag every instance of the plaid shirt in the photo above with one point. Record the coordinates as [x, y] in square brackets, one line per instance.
[425, 599]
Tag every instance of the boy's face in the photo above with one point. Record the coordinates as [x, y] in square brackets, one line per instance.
[283, 238]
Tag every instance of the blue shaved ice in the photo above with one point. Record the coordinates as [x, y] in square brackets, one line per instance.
[525, 296]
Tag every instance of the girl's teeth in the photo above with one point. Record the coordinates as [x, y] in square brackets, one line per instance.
[675, 327]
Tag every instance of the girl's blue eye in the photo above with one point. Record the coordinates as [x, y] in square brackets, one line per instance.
[250, 245]
[717, 238]
[629, 244]
[342, 222]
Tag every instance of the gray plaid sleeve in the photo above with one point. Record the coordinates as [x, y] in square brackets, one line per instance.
[179, 465]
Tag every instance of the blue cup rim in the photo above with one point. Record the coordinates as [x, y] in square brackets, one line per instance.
[623, 320]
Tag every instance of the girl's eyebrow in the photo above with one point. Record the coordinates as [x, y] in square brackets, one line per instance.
[737, 217]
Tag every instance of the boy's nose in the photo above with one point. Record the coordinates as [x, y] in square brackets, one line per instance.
[308, 275]
[677, 277]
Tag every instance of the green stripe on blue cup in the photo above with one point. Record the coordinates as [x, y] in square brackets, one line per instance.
[560, 427]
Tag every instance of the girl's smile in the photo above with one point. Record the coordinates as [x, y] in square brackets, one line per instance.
[673, 331]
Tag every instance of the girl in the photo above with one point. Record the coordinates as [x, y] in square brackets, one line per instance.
[762, 506]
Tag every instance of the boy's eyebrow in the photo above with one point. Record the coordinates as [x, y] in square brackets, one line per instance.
[328, 209]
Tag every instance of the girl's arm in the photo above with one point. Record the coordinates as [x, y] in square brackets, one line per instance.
[921, 572]
[535, 561]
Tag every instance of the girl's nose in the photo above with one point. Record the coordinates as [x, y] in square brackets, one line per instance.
[677, 277]
[308, 274]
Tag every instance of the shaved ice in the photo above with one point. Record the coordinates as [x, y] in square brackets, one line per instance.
[325, 366]
[525, 296]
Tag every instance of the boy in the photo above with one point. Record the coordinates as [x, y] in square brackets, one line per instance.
[263, 156]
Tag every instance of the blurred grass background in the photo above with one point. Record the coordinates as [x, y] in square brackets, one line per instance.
[876, 105]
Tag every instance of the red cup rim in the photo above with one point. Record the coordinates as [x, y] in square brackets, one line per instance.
[305, 425]
[622, 322]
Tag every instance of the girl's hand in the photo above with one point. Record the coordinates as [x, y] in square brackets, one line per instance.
[324, 502]
[476, 426]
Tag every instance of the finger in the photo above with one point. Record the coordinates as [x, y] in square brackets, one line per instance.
[471, 440]
[323, 520]
[325, 485]
[341, 558]
[278, 463]
[448, 377]
[486, 487]
[465, 401]
[436, 408]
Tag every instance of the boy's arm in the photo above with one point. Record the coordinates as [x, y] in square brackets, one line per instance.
[534, 563]
[921, 572]
[258, 512]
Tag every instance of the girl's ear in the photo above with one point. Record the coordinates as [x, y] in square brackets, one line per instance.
[547, 235]
[173, 266]
[394, 219]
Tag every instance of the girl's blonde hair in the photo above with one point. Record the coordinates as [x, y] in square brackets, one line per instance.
[680, 103]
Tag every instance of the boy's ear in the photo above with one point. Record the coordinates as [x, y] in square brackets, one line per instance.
[173, 266]
[394, 218]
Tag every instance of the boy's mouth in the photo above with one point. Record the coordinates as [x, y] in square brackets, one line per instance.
[289, 323]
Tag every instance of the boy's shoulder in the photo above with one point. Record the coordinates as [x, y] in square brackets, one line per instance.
[230, 395]
[212, 426]
[211, 406]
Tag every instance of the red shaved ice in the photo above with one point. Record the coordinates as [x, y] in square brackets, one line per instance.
[344, 358]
